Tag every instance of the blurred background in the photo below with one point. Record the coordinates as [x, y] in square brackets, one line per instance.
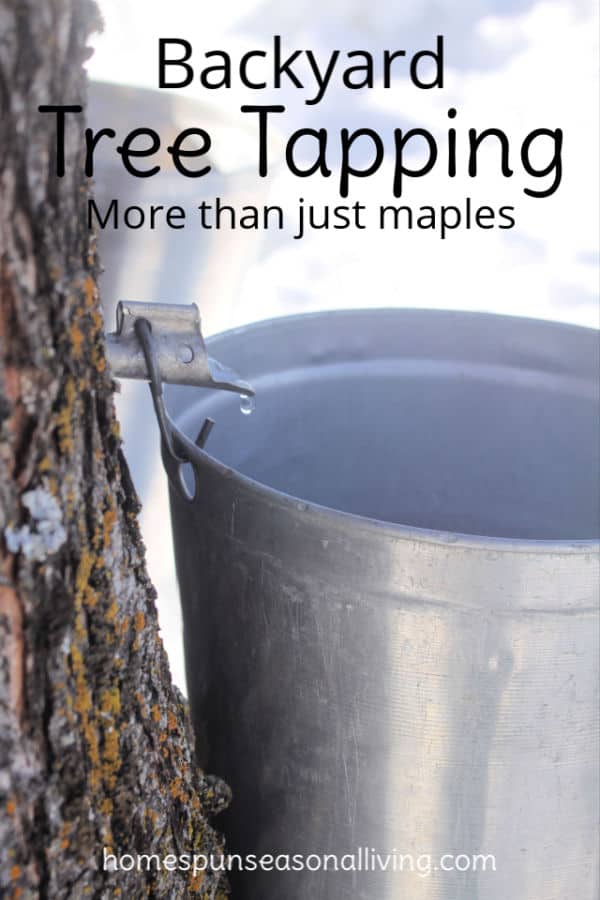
[513, 64]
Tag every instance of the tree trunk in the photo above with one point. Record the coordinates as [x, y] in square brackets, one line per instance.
[96, 752]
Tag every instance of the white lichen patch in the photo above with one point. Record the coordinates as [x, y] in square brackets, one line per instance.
[44, 534]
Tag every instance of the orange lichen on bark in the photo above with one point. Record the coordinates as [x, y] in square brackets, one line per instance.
[90, 292]
[65, 832]
[84, 570]
[83, 707]
[64, 418]
[112, 612]
[98, 360]
[85, 593]
[44, 464]
[110, 701]
[111, 758]
[78, 340]
[195, 882]
[177, 792]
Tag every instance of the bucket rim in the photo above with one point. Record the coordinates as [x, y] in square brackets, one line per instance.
[412, 533]
[358, 311]
[398, 531]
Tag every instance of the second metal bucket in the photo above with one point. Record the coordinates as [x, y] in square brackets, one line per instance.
[389, 583]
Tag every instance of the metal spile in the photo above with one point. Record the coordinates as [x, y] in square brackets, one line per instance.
[178, 346]
[163, 342]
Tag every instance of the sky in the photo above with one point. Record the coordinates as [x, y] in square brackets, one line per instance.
[512, 65]
[515, 64]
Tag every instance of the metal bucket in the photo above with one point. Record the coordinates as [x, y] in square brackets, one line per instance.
[389, 579]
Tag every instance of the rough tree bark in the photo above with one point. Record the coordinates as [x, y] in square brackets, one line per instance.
[95, 743]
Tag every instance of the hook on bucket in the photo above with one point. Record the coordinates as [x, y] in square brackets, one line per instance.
[170, 434]
[161, 342]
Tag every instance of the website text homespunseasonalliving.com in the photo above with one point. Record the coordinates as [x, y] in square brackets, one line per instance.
[363, 859]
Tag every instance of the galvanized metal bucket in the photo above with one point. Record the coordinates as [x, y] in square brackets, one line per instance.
[389, 579]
